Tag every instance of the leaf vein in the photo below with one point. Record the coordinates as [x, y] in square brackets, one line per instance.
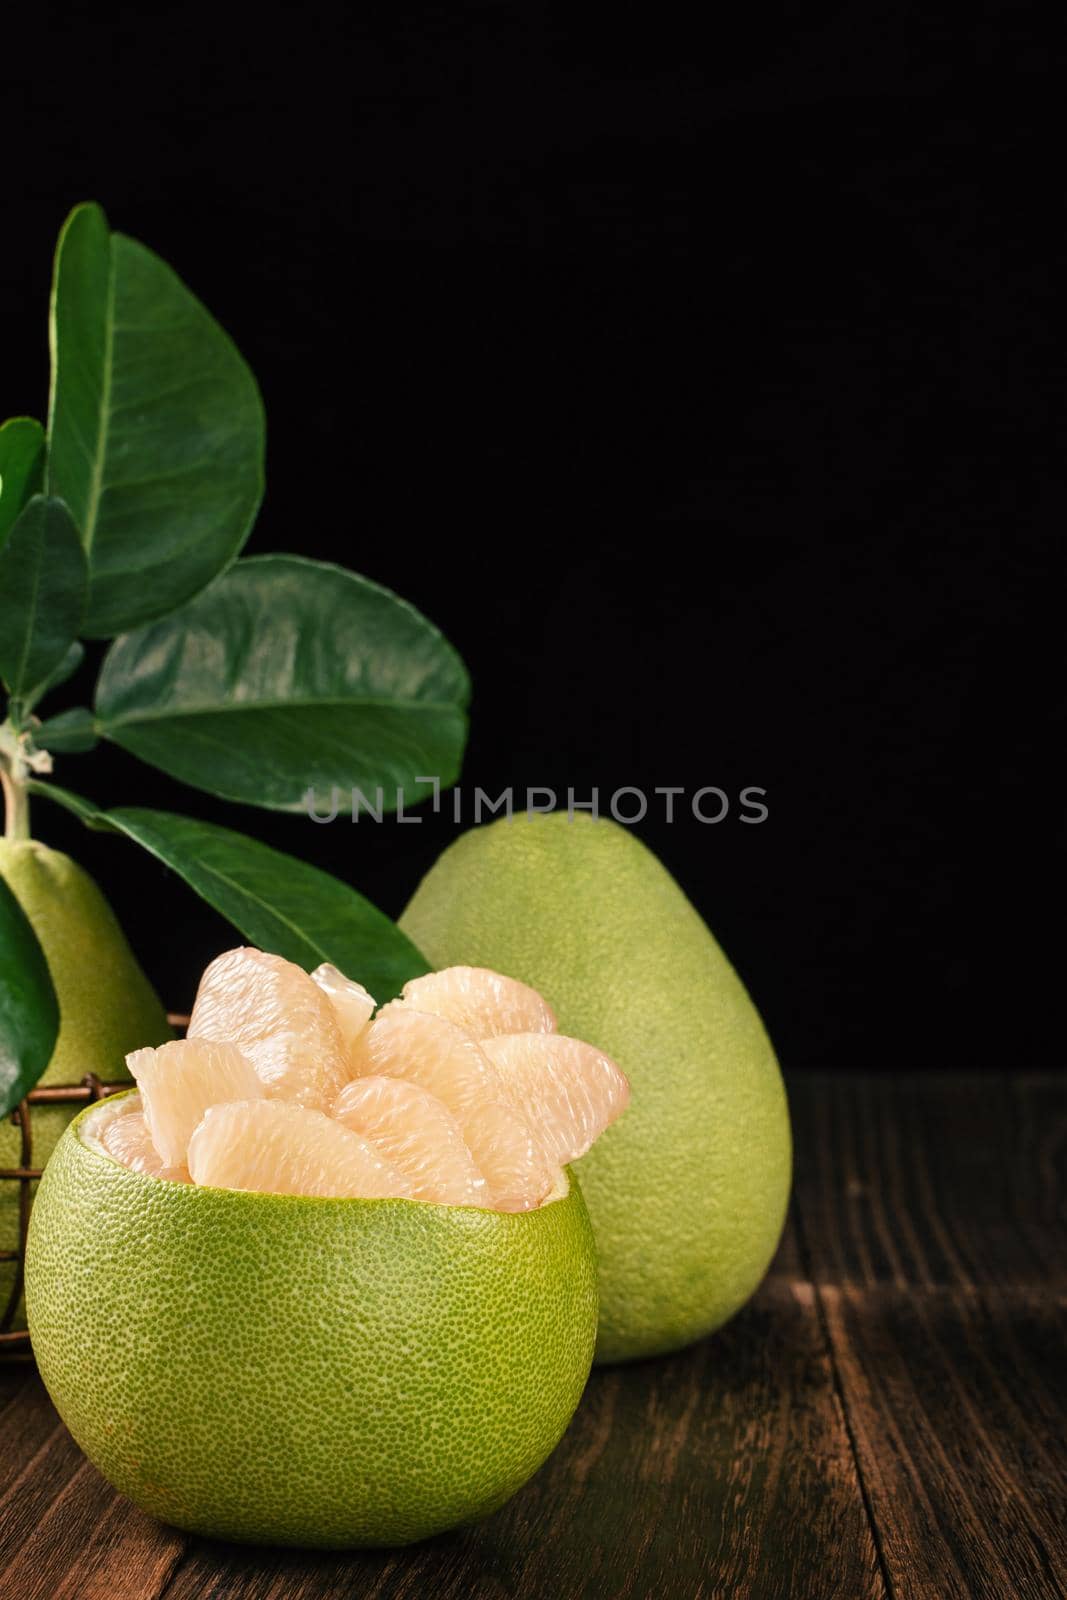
[97, 462]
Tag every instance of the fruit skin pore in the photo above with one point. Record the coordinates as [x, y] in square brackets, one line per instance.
[688, 1190]
[292, 1370]
[107, 1006]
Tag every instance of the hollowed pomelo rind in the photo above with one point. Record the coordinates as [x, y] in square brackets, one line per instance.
[294, 1370]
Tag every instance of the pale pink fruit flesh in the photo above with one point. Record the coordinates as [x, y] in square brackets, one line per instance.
[566, 1090]
[352, 1005]
[428, 1050]
[284, 1023]
[418, 1134]
[180, 1080]
[481, 1002]
[274, 1147]
[125, 1136]
[403, 1043]
[506, 1150]
[432, 1113]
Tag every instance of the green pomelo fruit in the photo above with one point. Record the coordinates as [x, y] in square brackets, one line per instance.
[688, 1190]
[107, 1006]
[292, 1370]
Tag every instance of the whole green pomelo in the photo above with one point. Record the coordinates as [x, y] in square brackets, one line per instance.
[688, 1190]
[291, 1370]
[107, 1006]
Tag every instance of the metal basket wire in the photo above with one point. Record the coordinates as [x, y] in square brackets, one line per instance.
[16, 1341]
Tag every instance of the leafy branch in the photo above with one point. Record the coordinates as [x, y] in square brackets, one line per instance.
[254, 680]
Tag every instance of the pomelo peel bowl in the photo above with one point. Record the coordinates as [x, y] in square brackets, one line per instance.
[313, 1367]
[295, 1369]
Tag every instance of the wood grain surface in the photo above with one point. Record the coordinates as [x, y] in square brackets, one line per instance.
[932, 1225]
[886, 1419]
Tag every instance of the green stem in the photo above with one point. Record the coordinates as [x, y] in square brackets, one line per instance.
[16, 805]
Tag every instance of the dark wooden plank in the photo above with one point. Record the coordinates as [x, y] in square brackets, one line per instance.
[27, 1422]
[38, 1459]
[64, 1533]
[125, 1555]
[932, 1179]
[723, 1470]
[1039, 1171]
[931, 1216]
[956, 1400]
[68, 1536]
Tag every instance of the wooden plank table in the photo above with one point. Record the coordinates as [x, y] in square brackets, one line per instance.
[886, 1419]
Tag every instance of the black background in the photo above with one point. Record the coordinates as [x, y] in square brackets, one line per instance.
[700, 384]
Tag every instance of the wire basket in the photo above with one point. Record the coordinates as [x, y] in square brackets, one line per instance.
[16, 1341]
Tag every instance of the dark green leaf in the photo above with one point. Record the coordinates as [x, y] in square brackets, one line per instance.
[274, 900]
[156, 427]
[42, 593]
[21, 468]
[288, 675]
[29, 1012]
[70, 731]
[59, 674]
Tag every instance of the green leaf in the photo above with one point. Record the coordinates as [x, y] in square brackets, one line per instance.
[156, 428]
[42, 593]
[70, 732]
[29, 1011]
[288, 675]
[21, 468]
[59, 674]
[274, 900]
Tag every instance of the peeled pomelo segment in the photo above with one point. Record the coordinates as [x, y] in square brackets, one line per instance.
[481, 1002]
[427, 1050]
[569, 1092]
[180, 1080]
[506, 1150]
[418, 1134]
[437, 1055]
[275, 1147]
[353, 1007]
[124, 1135]
[283, 1022]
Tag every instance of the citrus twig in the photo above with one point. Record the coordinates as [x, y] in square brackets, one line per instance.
[16, 805]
